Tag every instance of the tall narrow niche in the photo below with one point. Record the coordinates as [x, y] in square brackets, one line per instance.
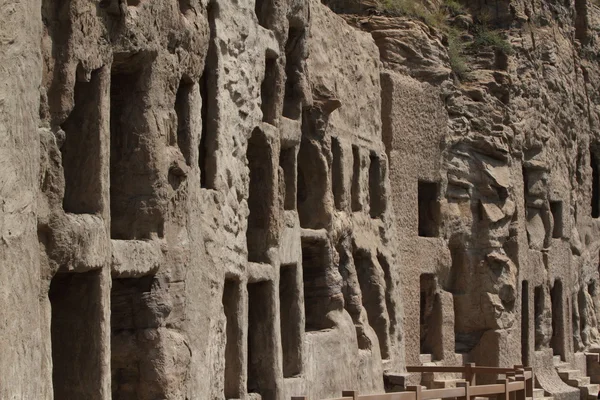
[260, 203]
[538, 303]
[82, 158]
[337, 176]
[182, 109]
[261, 342]
[290, 307]
[232, 306]
[294, 56]
[356, 186]
[558, 320]
[372, 287]
[315, 260]
[208, 144]
[287, 163]
[135, 208]
[595, 185]
[376, 187]
[269, 90]
[312, 186]
[525, 323]
[134, 351]
[430, 317]
[76, 335]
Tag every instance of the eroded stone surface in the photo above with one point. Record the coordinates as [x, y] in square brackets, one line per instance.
[263, 199]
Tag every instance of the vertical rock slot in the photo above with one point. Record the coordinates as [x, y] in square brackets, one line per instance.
[557, 340]
[268, 90]
[376, 189]
[135, 208]
[430, 317]
[356, 203]
[207, 160]
[538, 303]
[337, 177]
[136, 312]
[290, 320]
[233, 367]
[556, 207]
[81, 150]
[525, 323]
[372, 288]
[595, 186]
[428, 209]
[261, 354]
[294, 54]
[287, 162]
[75, 335]
[261, 186]
[315, 259]
[184, 124]
[312, 186]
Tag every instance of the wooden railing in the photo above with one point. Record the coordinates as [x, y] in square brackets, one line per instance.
[516, 385]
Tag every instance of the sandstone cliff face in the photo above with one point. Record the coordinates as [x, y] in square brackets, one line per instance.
[260, 199]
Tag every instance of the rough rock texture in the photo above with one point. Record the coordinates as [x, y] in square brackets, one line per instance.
[270, 198]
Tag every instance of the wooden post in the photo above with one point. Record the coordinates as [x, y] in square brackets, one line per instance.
[529, 383]
[520, 394]
[505, 395]
[350, 393]
[417, 390]
[467, 390]
[299, 398]
[469, 374]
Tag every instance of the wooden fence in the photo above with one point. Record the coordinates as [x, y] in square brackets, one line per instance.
[517, 384]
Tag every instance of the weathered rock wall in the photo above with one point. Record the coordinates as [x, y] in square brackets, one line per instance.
[260, 199]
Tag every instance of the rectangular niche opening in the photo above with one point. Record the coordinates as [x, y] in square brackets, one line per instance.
[373, 299]
[290, 320]
[76, 335]
[259, 204]
[337, 177]
[428, 209]
[134, 209]
[557, 340]
[184, 123]
[376, 190]
[82, 149]
[312, 186]
[208, 142]
[261, 352]
[268, 90]
[556, 207]
[233, 368]
[356, 203]
[292, 102]
[133, 354]
[430, 317]
[287, 162]
[538, 303]
[525, 323]
[315, 260]
[595, 185]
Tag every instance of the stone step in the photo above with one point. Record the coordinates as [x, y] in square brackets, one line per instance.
[589, 392]
[568, 374]
[556, 360]
[538, 393]
[425, 358]
[578, 381]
